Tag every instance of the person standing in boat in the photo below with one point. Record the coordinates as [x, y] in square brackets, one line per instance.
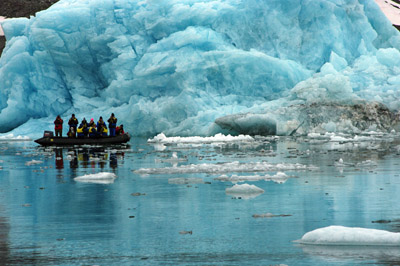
[58, 126]
[73, 122]
[112, 123]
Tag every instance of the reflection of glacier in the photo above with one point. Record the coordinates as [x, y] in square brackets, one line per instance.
[177, 66]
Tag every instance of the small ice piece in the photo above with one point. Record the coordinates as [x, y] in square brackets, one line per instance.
[99, 178]
[269, 215]
[33, 162]
[356, 236]
[184, 181]
[245, 191]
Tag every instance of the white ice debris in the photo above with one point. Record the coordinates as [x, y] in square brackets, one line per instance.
[184, 181]
[340, 235]
[279, 177]
[99, 178]
[33, 162]
[11, 137]
[161, 138]
[225, 167]
[245, 191]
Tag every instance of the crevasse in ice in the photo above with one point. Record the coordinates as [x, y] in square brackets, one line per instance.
[191, 67]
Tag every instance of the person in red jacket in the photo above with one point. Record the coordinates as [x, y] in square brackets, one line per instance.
[58, 126]
[120, 130]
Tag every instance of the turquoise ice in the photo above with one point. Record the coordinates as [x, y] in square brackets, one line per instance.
[177, 66]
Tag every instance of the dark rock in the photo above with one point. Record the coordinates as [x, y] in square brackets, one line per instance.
[382, 221]
[21, 8]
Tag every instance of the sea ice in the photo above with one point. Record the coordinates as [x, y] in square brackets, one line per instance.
[244, 191]
[99, 178]
[225, 168]
[33, 162]
[341, 235]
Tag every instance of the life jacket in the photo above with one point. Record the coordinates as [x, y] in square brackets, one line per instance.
[79, 130]
[92, 130]
[112, 122]
[105, 131]
[73, 122]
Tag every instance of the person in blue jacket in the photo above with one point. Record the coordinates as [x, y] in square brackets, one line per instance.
[112, 124]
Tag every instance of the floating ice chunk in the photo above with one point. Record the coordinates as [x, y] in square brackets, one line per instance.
[11, 137]
[161, 138]
[184, 181]
[269, 215]
[340, 235]
[244, 191]
[99, 178]
[279, 177]
[224, 168]
[33, 162]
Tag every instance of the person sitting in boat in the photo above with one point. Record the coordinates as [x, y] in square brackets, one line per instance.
[103, 131]
[73, 122]
[120, 130]
[100, 123]
[85, 127]
[112, 123]
[91, 123]
[92, 130]
[58, 126]
[71, 133]
[81, 130]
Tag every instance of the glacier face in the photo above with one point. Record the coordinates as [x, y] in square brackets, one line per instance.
[177, 66]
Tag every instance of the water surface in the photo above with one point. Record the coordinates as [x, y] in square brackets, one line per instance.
[186, 217]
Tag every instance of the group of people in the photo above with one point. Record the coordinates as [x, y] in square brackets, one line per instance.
[91, 129]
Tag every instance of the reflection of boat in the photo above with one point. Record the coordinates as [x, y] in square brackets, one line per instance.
[50, 140]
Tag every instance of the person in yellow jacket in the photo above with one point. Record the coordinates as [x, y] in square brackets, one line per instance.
[92, 131]
[103, 131]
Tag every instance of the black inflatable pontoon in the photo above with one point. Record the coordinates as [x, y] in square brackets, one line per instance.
[48, 140]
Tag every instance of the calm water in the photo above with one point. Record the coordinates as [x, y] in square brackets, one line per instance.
[48, 218]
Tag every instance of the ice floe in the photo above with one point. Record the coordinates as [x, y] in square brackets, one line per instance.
[11, 137]
[279, 177]
[341, 235]
[185, 181]
[99, 178]
[269, 215]
[244, 191]
[33, 162]
[220, 138]
[225, 168]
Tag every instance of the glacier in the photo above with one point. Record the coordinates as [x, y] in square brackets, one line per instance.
[198, 67]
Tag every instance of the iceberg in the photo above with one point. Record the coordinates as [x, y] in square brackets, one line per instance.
[350, 236]
[202, 67]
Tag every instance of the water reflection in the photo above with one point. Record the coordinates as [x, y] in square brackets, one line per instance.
[86, 157]
[385, 254]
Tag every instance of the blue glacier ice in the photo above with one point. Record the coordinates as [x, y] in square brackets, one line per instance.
[198, 67]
